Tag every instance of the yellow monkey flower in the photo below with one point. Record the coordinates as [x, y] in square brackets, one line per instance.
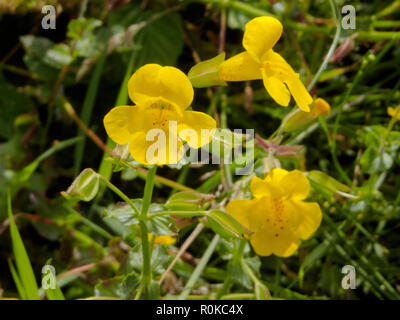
[277, 215]
[163, 239]
[259, 61]
[156, 126]
[394, 112]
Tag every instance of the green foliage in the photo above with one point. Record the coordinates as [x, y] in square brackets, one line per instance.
[102, 224]
[25, 278]
[12, 104]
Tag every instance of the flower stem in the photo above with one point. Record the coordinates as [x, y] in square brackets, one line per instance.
[118, 192]
[148, 192]
[332, 47]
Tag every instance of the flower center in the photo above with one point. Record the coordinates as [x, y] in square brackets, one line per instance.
[278, 218]
[161, 113]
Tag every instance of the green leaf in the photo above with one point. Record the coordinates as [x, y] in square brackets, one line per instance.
[159, 41]
[58, 56]
[123, 287]
[17, 280]
[24, 267]
[314, 256]
[36, 49]
[162, 40]
[79, 28]
[53, 294]
[12, 104]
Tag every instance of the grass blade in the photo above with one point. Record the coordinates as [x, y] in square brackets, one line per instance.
[17, 280]
[25, 271]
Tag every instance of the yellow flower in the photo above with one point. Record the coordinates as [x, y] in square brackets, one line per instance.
[259, 61]
[394, 112]
[156, 126]
[163, 239]
[277, 215]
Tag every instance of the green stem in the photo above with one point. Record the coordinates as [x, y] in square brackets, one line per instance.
[199, 268]
[257, 282]
[224, 125]
[118, 192]
[146, 271]
[148, 192]
[89, 223]
[332, 47]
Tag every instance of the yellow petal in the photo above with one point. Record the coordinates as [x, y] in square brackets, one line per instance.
[299, 93]
[250, 213]
[156, 147]
[277, 90]
[259, 188]
[164, 239]
[260, 35]
[295, 185]
[121, 123]
[196, 128]
[270, 186]
[241, 67]
[153, 80]
[394, 112]
[305, 217]
[267, 241]
[320, 107]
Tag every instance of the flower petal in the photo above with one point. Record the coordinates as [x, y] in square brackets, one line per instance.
[277, 90]
[259, 188]
[153, 80]
[266, 241]
[305, 217]
[320, 107]
[260, 36]
[393, 112]
[250, 213]
[154, 147]
[121, 123]
[270, 186]
[196, 128]
[295, 185]
[241, 67]
[299, 93]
